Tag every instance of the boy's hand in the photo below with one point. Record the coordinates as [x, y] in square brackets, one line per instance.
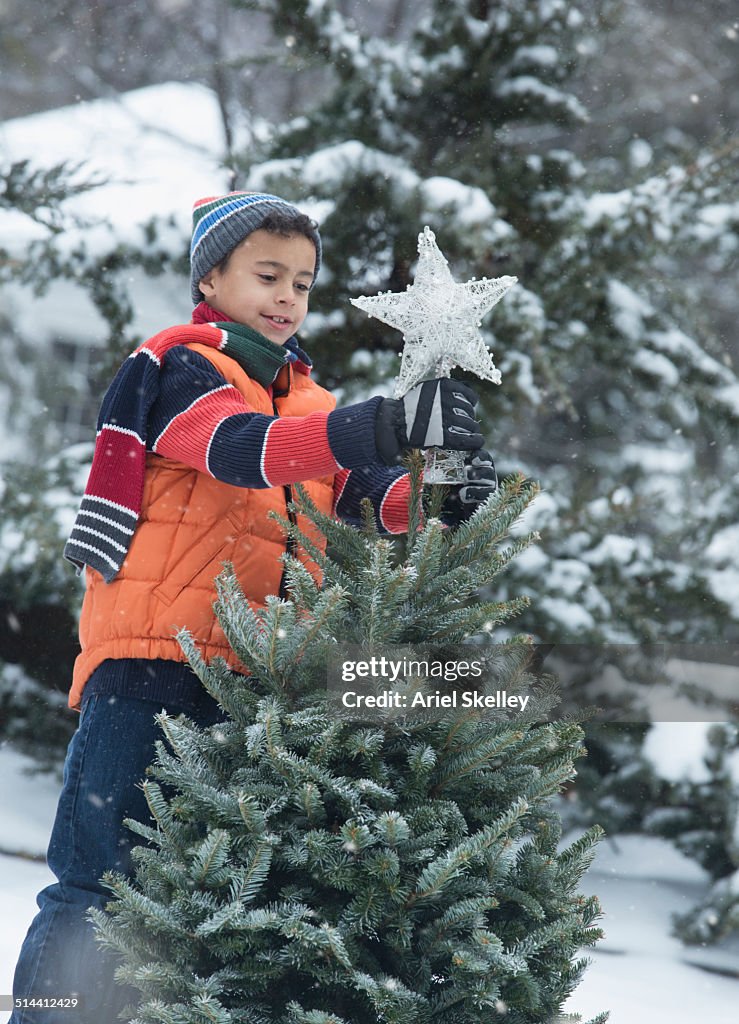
[439, 413]
[481, 481]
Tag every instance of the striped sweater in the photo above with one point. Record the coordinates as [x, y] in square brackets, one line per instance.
[168, 400]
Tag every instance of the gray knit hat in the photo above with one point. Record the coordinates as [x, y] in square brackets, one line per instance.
[220, 223]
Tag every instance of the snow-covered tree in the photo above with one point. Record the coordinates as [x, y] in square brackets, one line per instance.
[45, 241]
[39, 599]
[613, 393]
[308, 868]
[699, 812]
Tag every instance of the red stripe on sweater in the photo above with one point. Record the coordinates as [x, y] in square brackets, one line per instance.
[188, 436]
[298, 449]
[115, 448]
[394, 507]
[340, 481]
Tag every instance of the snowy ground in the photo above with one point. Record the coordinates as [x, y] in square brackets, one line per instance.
[640, 972]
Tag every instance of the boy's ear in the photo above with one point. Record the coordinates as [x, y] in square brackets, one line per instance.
[206, 284]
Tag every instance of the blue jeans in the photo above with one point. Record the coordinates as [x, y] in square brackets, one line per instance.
[107, 758]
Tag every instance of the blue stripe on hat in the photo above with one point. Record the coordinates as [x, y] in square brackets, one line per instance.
[209, 221]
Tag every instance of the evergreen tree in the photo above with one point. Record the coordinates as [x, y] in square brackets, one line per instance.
[305, 868]
[615, 393]
[39, 496]
[59, 243]
[39, 600]
[701, 816]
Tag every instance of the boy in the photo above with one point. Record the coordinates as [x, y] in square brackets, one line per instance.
[200, 435]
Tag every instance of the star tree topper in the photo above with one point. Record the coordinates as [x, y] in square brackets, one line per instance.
[439, 318]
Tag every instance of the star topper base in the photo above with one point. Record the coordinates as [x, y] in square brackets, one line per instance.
[443, 466]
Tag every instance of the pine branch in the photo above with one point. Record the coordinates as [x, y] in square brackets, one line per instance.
[473, 759]
[574, 861]
[443, 870]
[207, 866]
[246, 885]
[414, 462]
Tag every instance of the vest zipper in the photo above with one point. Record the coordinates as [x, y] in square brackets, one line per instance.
[290, 543]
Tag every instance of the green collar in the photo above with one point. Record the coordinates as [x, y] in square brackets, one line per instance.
[259, 356]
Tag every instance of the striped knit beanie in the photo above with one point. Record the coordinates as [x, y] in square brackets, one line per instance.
[220, 223]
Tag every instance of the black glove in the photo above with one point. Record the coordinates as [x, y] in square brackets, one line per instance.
[480, 481]
[438, 413]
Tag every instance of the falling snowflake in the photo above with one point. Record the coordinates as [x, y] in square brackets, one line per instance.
[439, 318]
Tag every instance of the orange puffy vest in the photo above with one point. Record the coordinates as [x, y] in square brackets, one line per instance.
[190, 524]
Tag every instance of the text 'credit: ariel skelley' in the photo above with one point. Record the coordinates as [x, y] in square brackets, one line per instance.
[455, 699]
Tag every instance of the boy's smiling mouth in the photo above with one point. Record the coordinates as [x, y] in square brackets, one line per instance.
[277, 321]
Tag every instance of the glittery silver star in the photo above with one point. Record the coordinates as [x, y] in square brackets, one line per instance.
[439, 318]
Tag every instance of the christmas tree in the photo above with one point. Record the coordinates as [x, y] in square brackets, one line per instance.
[307, 868]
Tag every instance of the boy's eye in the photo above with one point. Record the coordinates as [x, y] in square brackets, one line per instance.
[303, 287]
[267, 277]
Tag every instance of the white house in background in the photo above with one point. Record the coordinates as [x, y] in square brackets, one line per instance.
[159, 149]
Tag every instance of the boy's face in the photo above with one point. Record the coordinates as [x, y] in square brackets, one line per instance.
[265, 284]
